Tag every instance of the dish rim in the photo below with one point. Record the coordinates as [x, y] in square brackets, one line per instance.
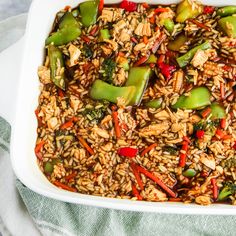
[43, 186]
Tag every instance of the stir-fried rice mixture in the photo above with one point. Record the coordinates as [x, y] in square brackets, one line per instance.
[137, 102]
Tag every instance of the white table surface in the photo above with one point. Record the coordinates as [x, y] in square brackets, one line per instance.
[13, 7]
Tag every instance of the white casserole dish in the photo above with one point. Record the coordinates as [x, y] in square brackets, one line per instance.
[23, 159]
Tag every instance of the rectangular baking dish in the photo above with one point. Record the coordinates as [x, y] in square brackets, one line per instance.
[40, 19]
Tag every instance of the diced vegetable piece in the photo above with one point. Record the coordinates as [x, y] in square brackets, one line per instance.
[69, 29]
[176, 44]
[200, 134]
[198, 97]
[148, 149]
[152, 59]
[85, 145]
[136, 193]
[217, 111]
[228, 25]
[156, 103]
[187, 10]
[214, 188]
[228, 189]
[104, 34]
[140, 61]
[186, 58]
[116, 122]
[64, 186]
[168, 24]
[101, 90]
[127, 152]
[226, 11]
[57, 67]
[208, 10]
[48, 167]
[128, 5]
[108, 66]
[138, 77]
[183, 154]
[166, 69]
[88, 12]
[123, 62]
[189, 173]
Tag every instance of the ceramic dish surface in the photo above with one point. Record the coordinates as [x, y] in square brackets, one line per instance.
[25, 124]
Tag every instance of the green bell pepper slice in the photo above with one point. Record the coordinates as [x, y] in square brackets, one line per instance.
[104, 34]
[132, 91]
[68, 30]
[217, 111]
[138, 77]
[151, 59]
[168, 23]
[57, 68]
[48, 167]
[228, 25]
[187, 57]
[101, 90]
[189, 173]
[198, 97]
[176, 44]
[155, 103]
[89, 12]
[226, 11]
[186, 11]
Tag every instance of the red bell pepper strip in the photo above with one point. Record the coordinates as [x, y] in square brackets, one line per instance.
[234, 146]
[185, 138]
[219, 134]
[39, 146]
[183, 155]
[156, 180]
[134, 40]
[86, 38]
[200, 25]
[141, 61]
[71, 176]
[136, 193]
[100, 6]
[208, 10]
[137, 175]
[64, 186]
[205, 113]
[222, 90]
[145, 5]
[223, 123]
[200, 134]
[116, 122]
[166, 69]
[214, 189]
[128, 6]
[85, 145]
[149, 148]
[127, 152]
[94, 30]
[66, 125]
[160, 10]
[60, 93]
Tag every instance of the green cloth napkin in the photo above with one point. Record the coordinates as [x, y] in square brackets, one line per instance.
[54, 217]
